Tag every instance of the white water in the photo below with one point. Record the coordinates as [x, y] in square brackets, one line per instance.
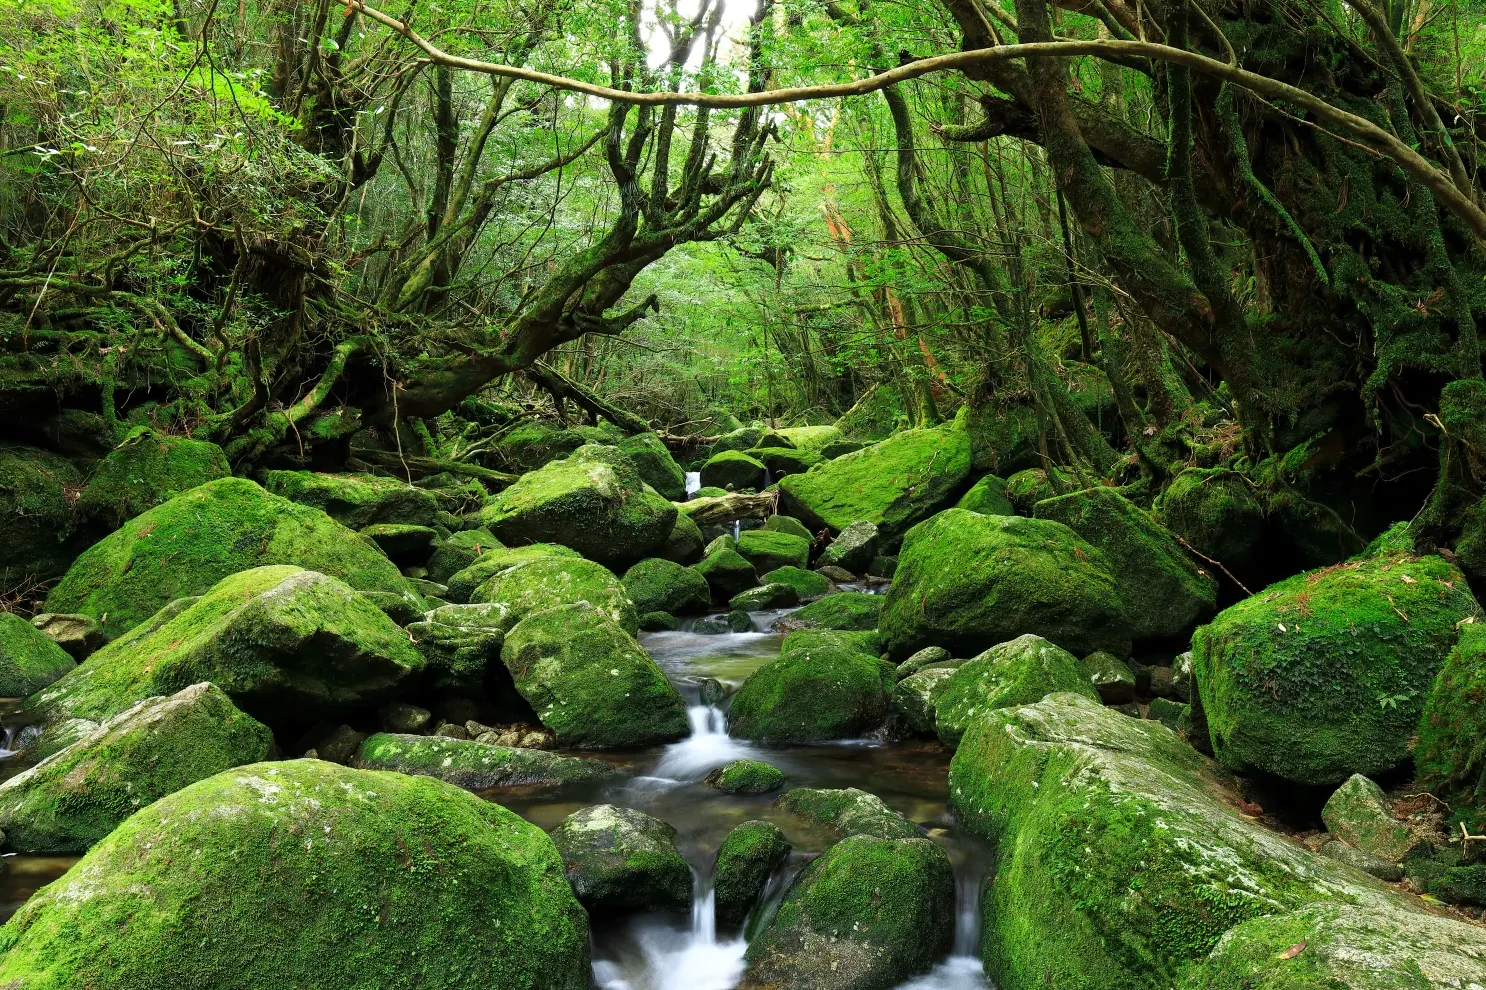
[668, 959]
[709, 746]
[693, 482]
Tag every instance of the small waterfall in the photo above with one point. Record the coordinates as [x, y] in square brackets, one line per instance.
[673, 960]
[708, 747]
[768, 478]
[737, 529]
[693, 482]
[962, 970]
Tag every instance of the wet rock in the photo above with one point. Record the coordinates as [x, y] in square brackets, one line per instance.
[1111, 677]
[1359, 813]
[451, 730]
[619, 859]
[852, 549]
[474, 765]
[145, 469]
[1020, 672]
[404, 718]
[748, 856]
[78, 635]
[819, 688]
[916, 698]
[847, 811]
[355, 500]
[838, 574]
[746, 777]
[657, 585]
[808, 585]
[766, 596]
[850, 611]
[29, 660]
[658, 622]
[883, 567]
[727, 572]
[518, 737]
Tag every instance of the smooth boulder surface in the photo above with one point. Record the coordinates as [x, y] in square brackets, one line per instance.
[355, 500]
[29, 659]
[547, 581]
[286, 645]
[590, 682]
[1326, 674]
[79, 636]
[593, 501]
[767, 551]
[967, 582]
[75, 797]
[475, 766]
[619, 859]
[657, 585]
[1020, 672]
[892, 484]
[1165, 593]
[184, 546]
[748, 856]
[308, 875]
[988, 497]
[819, 688]
[145, 469]
[733, 470]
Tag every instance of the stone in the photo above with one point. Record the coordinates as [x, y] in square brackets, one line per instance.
[821, 687]
[877, 413]
[549, 581]
[782, 461]
[80, 636]
[496, 561]
[36, 500]
[355, 500]
[145, 469]
[658, 622]
[459, 643]
[1453, 723]
[1019, 672]
[1359, 813]
[733, 470]
[711, 691]
[765, 596]
[684, 545]
[790, 525]
[746, 777]
[845, 611]
[1027, 487]
[767, 551]
[967, 582]
[816, 438]
[402, 717]
[657, 585]
[451, 730]
[29, 660]
[987, 497]
[1217, 512]
[852, 549]
[474, 765]
[723, 542]
[590, 682]
[915, 700]
[1164, 684]
[655, 465]
[838, 574]
[1111, 677]
[727, 572]
[619, 859]
[883, 567]
[748, 856]
[1171, 714]
[401, 542]
[808, 585]
[339, 745]
[847, 811]
[381, 852]
[1338, 850]
[743, 438]
[923, 658]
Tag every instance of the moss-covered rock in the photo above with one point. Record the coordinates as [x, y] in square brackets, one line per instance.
[388, 881]
[1027, 487]
[655, 464]
[1123, 860]
[1216, 511]
[532, 444]
[788, 524]
[709, 491]
[967, 582]
[590, 682]
[743, 438]
[658, 622]
[458, 551]
[593, 501]
[37, 489]
[733, 469]
[1326, 674]
[847, 611]
[846, 811]
[186, 545]
[876, 414]
[892, 484]
[726, 572]
[1358, 813]
[79, 636]
[748, 856]
[403, 543]
[807, 585]
[147, 468]
[746, 777]
[355, 500]
[286, 644]
[936, 656]
[1165, 593]
[547, 581]
[77, 796]
[781, 461]
[461, 644]
[476, 766]
[815, 690]
[685, 544]
[915, 698]
[29, 660]
[853, 548]
[1020, 672]
[765, 596]
[816, 438]
[620, 859]
[988, 497]
[658, 585]
[767, 551]
[496, 561]
[865, 915]
[1111, 677]
[1453, 723]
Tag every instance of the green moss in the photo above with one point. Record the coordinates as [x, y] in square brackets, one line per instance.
[1393, 540]
[988, 497]
[807, 585]
[619, 858]
[1110, 676]
[590, 682]
[459, 551]
[746, 777]
[847, 811]
[533, 444]
[1028, 487]
[854, 548]
[788, 524]
[915, 698]
[1359, 814]
[967, 582]
[1020, 672]
[815, 438]
[355, 500]
[1165, 593]
[658, 622]
[655, 464]
[1326, 674]
[146, 469]
[815, 691]
[892, 484]
[547, 581]
[733, 469]
[186, 545]
[657, 585]
[281, 641]
[77, 796]
[727, 573]
[496, 561]
[1449, 755]
[36, 491]
[781, 461]
[1216, 511]
[708, 491]
[748, 856]
[685, 544]
[849, 611]
[476, 766]
[743, 438]
[875, 416]
[313, 876]
[765, 596]
[460, 642]
[29, 660]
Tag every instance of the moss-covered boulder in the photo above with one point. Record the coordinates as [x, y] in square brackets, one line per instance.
[1326, 674]
[286, 644]
[403, 543]
[548, 581]
[495, 561]
[746, 777]
[1124, 862]
[593, 501]
[853, 548]
[867, 914]
[1453, 723]
[79, 636]
[1020, 672]
[877, 413]
[37, 489]
[590, 682]
[1166, 594]
[967, 582]
[748, 856]
[847, 611]
[816, 438]
[184, 546]
[935, 656]
[733, 470]
[658, 585]
[807, 585]
[476, 766]
[147, 468]
[846, 811]
[782, 461]
[308, 875]
[788, 524]
[77, 796]
[915, 698]
[29, 660]
[726, 572]
[461, 644]
[988, 497]
[1029, 486]
[685, 544]
[767, 551]
[534, 443]
[765, 596]
[458, 551]
[1216, 511]
[892, 484]
[619, 859]
[1111, 677]
[743, 438]
[817, 689]
[355, 500]
[656, 466]
[1359, 814]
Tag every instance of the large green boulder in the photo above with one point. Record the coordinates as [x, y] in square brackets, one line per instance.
[1452, 725]
[782, 461]
[1166, 595]
[590, 682]
[892, 484]
[745, 777]
[146, 469]
[286, 644]
[657, 585]
[767, 550]
[495, 561]
[656, 466]
[1326, 674]
[548, 581]
[593, 501]
[1020, 672]
[915, 700]
[988, 497]
[37, 489]
[820, 688]
[743, 438]
[356, 500]
[816, 438]
[726, 572]
[807, 585]
[788, 524]
[184, 546]
[621, 859]
[532, 444]
[461, 644]
[734, 470]
[313, 876]
[876, 414]
[29, 660]
[685, 544]
[1216, 511]
[1124, 863]
[476, 766]
[847, 611]
[459, 551]
[846, 811]
[967, 582]
[853, 548]
[748, 856]
[155, 747]
[866, 915]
